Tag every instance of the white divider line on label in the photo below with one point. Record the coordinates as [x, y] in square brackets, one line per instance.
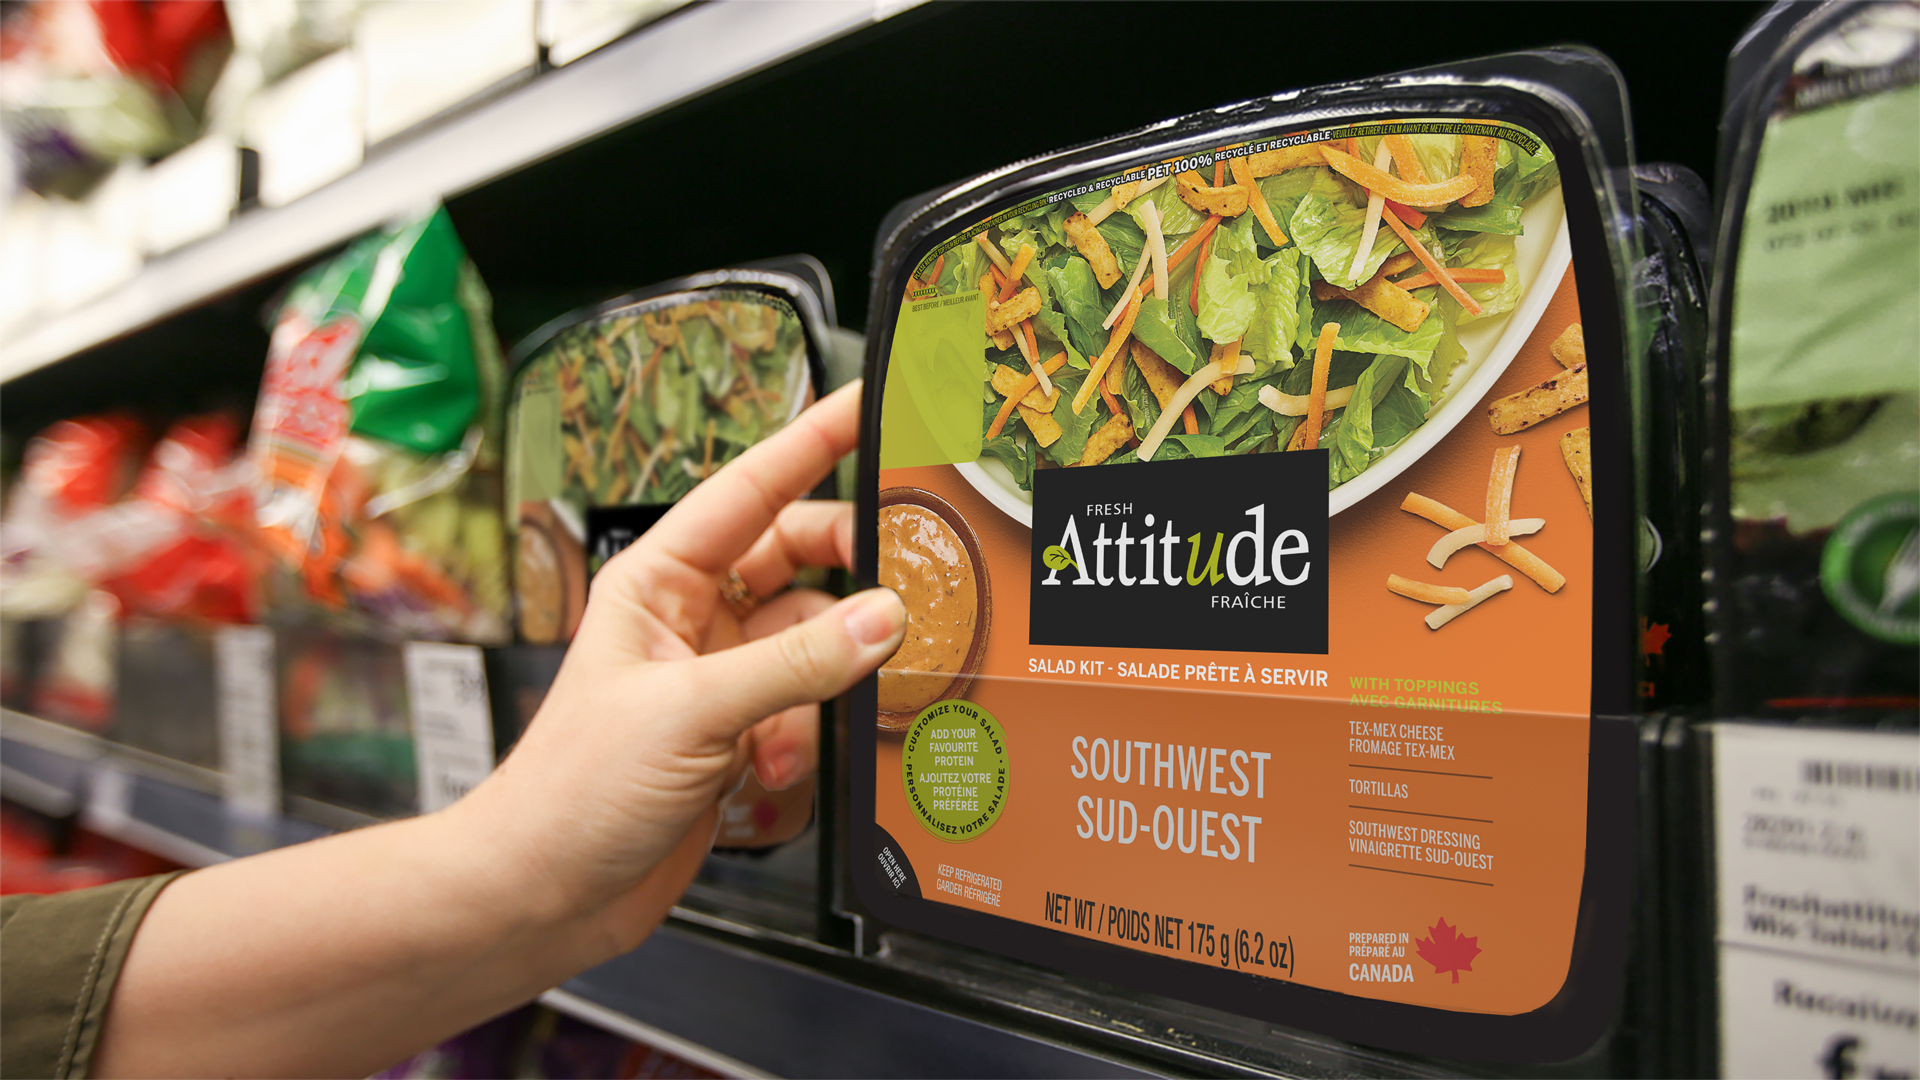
[248, 717]
[452, 725]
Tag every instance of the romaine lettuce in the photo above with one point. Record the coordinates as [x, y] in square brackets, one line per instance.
[1281, 304]
[1074, 427]
[1075, 289]
[1169, 329]
[1364, 332]
[1176, 217]
[1227, 301]
[1328, 225]
[1484, 251]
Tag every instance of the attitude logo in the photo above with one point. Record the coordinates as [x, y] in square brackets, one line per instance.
[1223, 553]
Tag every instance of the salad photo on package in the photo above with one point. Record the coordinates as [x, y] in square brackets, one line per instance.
[1326, 294]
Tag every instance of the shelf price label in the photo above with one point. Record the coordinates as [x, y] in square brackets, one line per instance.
[248, 719]
[452, 725]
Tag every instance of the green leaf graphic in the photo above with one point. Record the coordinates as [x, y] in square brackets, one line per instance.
[1056, 558]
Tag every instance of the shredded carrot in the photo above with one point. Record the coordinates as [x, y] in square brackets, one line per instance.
[1200, 264]
[1001, 282]
[1506, 460]
[1199, 235]
[1406, 213]
[1189, 421]
[1219, 171]
[1317, 398]
[1422, 591]
[934, 278]
[1433, 267]
[1019, 270]
[1121, 331]
[1406, 159]
[1393, 187]
[1510, 553]
[1113, 403]
[1026, 383]
[1465, 274]
[1257, 202]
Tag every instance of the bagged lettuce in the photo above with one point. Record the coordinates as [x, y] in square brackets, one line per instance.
[376, 439]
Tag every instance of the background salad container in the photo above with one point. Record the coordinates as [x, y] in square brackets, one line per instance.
[1563, 196]
[619, 411]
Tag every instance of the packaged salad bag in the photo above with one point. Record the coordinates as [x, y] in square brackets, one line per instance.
[377, 444]
[1259, 486]
[618, 411]
[1804, 767]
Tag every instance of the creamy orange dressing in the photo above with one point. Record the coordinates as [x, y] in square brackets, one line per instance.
[922, 559]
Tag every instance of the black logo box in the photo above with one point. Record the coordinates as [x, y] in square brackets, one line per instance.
[1211, 497]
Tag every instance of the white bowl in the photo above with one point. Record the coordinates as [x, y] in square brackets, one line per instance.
[1541, 256]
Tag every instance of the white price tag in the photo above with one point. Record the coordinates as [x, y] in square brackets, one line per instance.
[248, 716]
[1817, 838]
[452, 724]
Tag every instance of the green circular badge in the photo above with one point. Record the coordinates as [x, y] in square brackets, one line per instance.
[1870, 568]
[954, 765]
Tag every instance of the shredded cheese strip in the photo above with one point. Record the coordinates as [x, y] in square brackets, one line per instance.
[1031, 350]
[1444, 547]
[1433, 267]
[1506, 461]
[1374, 179]
[998, 260]
[1441, 616]
[1107, 208]
[1156, 249]
[1317, 401]
[1133, 284]
[1296, 404]
[1376, 202]
[1423, 591]
[1121, 332]
[1183, 397]
[1510, 553]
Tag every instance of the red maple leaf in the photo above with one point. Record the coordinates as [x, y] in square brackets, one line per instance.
[1653, 638]
[1447, 950]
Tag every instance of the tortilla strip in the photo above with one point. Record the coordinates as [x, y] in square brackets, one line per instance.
[1510, 553]
[1257, 202]
[1101, 444]
[1162, 378]
[1226, 355]
[1007, 380]
[1576, 447]
[1271, 162]
[1309, 431]
[1024, 305]
[1093, 247]
[1441, 616]
[1383, 298]
[1427, 593]
[1407, 160]
[1445, 547]
[1393, 187]
[1477, 161]
[1570, 348]
[1002, 339]
[1229, 201]
[1518, 412]
[1046, 430]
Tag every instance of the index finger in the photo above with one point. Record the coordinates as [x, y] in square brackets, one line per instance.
[720, 519]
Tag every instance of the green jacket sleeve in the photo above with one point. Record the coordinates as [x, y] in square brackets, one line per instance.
[63, 955]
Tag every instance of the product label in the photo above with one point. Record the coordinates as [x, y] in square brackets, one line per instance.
[1187, 477]
[452, 724]
[1817, 839]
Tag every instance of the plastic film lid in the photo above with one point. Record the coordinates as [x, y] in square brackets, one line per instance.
[620, 410]
[1416, 777]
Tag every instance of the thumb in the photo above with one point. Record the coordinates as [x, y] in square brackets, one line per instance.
[805, 663]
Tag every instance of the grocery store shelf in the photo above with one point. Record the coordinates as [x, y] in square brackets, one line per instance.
[680, 57]
[712, 997]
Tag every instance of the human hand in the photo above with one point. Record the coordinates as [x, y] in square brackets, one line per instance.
[609, 801]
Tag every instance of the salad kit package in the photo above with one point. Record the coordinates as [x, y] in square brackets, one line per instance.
[1806, 781]
[376, 440]
[1259, 484]
[619, 411]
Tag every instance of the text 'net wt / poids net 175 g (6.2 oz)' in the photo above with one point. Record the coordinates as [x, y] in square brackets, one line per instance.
[1264, 611]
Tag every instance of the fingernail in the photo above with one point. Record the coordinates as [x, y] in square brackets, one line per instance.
[784, 765]
[875, 617]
